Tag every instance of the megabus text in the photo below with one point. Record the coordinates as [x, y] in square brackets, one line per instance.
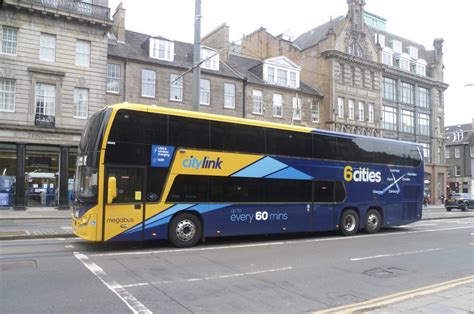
[206, 163]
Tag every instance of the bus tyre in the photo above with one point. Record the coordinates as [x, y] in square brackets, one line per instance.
[185, 230]
[373, 223]
[349, 222]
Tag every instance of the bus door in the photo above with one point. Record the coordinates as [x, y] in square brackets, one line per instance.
[124, 203]
[323, 205]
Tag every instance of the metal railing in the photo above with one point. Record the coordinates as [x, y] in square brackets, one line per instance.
[75, 6]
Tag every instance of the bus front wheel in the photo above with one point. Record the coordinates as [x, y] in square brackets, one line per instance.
[349, 222]
[185, 230]
[373, 222]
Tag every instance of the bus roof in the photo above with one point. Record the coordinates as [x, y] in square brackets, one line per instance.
[230, 119]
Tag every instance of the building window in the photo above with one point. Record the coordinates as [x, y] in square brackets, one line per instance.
[446, 153]
[148, 83]
[81, 103]
[458, 136]
[389, 118]
[205, 95]
[47, 47]
[277, 105]
[161, 49]
[406, 123]
[389, 88]
[407, 91]
[404, 64]
[413, 52]
[420, 69]
[350, 109]
[176, 87]
[457, 152]
[9, 40]
[472, 151]
[371, 113]
[361, 110]
[380, 40]
[282, 77]
[296, 108]
[45, 99]
[83, 51]
[387, 58]
[293, 79]
[271, 75]
[423, 97]
[257, 102]
[340, 107]
[424, 124]
[397, 46]
[7, 95]
[426, 151]
[315, 107]
[113, 78]
[457, 171]
[229, 95]
[210, 59]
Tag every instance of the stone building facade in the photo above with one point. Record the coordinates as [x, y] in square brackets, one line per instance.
[157, 71]
[459, 155]
[52, 78]
[374, 82]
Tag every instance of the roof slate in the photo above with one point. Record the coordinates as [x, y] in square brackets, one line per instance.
[314, 35]
[183, 58]
[247, 66]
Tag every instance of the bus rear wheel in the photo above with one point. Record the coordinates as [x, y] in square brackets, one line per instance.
[373, 222]
[349, 222]
[185, 230]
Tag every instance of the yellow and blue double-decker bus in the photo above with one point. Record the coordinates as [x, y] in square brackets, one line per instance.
[145, 172]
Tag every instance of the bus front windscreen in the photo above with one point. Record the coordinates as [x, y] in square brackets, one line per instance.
[85, 185]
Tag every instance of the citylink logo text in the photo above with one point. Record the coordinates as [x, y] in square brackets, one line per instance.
[361, 175]
[206, 163]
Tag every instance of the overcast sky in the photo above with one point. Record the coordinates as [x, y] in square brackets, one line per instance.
[418, 20]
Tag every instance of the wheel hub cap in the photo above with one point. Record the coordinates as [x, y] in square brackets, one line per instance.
[372, 221]
[349, 223]
[185, 230]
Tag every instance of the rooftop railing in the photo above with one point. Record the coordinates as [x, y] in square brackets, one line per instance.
[74, 6]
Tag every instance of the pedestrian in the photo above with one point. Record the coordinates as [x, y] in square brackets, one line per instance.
[425, 201]
[442, 199]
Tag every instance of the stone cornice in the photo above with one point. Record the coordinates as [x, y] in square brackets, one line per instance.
[27, 128]
[46, 71]
[350, 58]
[414, 77]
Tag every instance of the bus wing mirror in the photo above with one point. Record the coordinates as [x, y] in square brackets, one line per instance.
[112, 189]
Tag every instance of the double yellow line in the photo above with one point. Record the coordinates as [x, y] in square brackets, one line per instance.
[398, 297]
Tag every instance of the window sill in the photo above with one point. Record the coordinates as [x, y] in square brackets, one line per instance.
[8, 111]
[176, 100]
[206, 105]
[257, 113]
[113, 93]
[147, 97]
[233, 108]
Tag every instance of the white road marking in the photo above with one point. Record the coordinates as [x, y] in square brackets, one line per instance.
[66, 228]
[132, 303]
[472, 233]
[394, 254]
[69, 246]
[213, 248]
[208, 278]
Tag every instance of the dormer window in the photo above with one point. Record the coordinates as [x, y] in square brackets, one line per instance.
[210, 59]
[404, 62]
[413, 52]
[387, 56]
[420, 67]
[397, 46]
[161, 49]
[281, 71]
[380, 39]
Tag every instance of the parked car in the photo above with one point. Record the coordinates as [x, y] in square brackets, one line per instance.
[463, 201]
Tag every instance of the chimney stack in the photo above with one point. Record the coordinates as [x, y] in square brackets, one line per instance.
[119, 23]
